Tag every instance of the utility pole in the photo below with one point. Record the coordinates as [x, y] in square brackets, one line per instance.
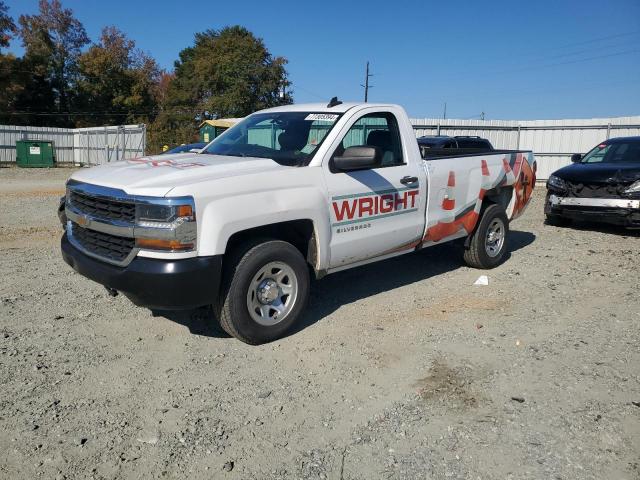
[366, 85]
[444, 114]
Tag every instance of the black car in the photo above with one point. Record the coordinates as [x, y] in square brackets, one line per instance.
[602, 186]
[444, 145]
[186, 148]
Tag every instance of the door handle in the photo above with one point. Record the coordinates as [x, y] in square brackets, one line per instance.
[408, 180]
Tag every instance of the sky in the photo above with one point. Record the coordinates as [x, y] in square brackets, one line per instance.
[509, 59]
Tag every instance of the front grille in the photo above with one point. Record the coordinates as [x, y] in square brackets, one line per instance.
[597, 190]
[102, 208]
[109, 247]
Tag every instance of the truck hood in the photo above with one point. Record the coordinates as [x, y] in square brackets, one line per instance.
[159, 174]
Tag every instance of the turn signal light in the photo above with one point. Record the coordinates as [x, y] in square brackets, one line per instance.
[170, 245]
[184, 211]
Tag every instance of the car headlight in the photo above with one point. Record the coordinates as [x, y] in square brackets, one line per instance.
[556, 183]
[634, 188]
[166, 224]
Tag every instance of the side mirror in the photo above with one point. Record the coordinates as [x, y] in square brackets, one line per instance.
[576, 157]
[358, 158]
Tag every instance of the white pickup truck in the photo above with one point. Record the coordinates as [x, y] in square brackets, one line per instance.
[287, 192]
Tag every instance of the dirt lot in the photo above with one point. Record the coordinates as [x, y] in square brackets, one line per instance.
[402, 369]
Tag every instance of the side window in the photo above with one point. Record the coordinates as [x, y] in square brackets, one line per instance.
[376, 130]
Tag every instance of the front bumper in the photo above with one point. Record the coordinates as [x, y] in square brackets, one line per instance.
[153, 283]
[616, 211]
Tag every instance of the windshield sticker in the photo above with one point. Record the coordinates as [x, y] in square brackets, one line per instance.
[327, 117]
[166, 163]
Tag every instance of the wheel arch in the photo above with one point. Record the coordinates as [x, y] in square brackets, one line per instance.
[500, 195]
[300, 233]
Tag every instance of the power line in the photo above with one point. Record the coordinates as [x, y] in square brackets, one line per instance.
[298, 87]
[597, 39]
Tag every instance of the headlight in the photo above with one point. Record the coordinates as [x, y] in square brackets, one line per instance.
[556, 183]
[634, 188]
[163, 216]
[166, 224]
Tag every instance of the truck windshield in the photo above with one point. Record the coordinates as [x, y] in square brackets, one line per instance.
[619, 152]
[288, 138]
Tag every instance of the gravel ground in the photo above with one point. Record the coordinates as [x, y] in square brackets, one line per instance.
[401, 369]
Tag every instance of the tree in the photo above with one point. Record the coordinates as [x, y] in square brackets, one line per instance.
[118, 83]
[7, 27]
[226, 73]
[53, 40]
[10, 78]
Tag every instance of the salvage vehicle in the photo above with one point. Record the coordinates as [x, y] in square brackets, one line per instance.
[185, 148]
[601, 186]
[286, 193]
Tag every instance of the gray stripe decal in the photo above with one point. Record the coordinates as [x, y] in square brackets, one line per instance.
[374, 192]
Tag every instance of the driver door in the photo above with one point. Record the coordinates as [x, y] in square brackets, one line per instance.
[379, 210]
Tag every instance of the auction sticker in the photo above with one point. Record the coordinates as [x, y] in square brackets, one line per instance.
[327, 117]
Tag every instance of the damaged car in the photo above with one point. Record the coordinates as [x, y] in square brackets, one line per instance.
[602, 186]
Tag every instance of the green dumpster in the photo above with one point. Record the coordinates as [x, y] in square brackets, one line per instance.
[35, 153]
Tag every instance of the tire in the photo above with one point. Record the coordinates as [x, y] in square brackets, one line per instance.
[485, 253]
[254, 304]
[557, 220]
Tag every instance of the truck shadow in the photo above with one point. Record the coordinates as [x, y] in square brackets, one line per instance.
[603, 228]
[342, 288]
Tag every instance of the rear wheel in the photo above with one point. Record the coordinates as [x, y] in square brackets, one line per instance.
[265, 289]
[488, 243]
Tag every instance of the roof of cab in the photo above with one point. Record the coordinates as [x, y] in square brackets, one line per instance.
[322, 107]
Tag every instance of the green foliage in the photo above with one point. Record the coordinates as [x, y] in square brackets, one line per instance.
[118, 83]
[7, 27]
[10, 84]
[60, 82]
[53, 40]
[226, 73]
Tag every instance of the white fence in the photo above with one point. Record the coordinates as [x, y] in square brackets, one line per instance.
[552, 141]
[80, 146]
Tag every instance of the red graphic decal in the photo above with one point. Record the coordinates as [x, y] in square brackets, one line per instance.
[449, 201]
[523, 187]
[486, 179]
[522, 177]
[166, 163]
[509, 177]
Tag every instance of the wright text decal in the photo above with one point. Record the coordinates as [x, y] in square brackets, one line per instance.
[364, 207]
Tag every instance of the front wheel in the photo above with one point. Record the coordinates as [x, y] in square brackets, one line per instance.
[265, 289]
[488, 243]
